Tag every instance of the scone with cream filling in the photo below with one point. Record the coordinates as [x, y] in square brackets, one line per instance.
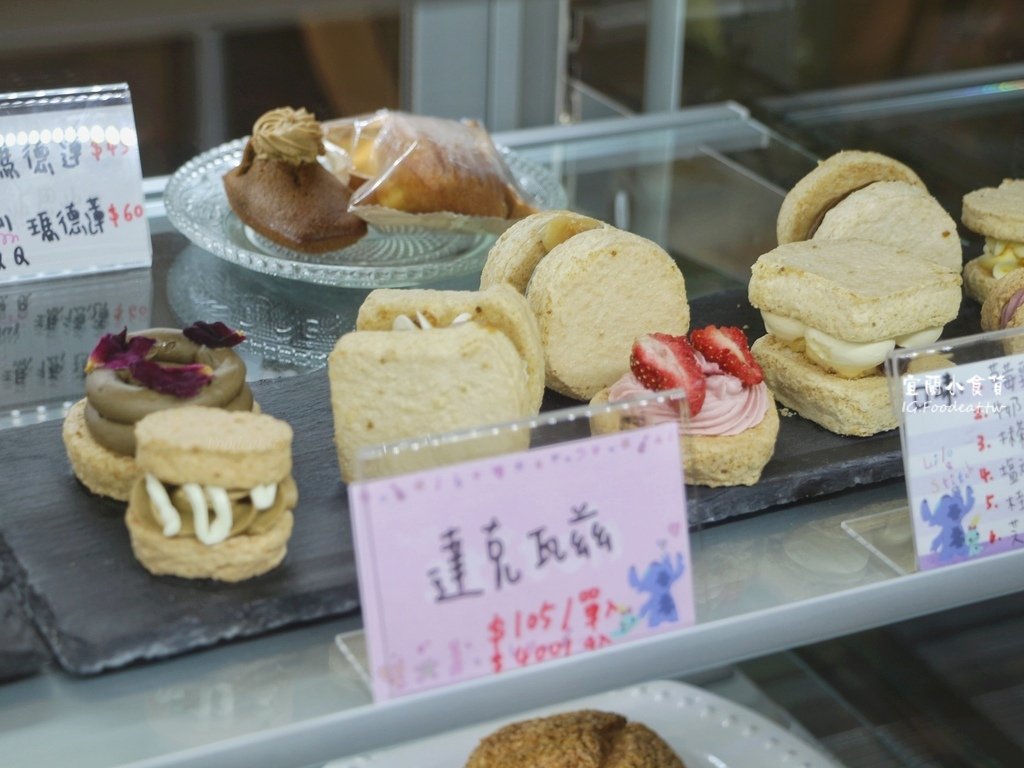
[833, 310]
[419, 379]
[997, 213]
[215, 495]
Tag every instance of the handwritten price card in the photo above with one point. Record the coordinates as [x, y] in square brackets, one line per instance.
[963, 438]
[494, 565]
[70, 184]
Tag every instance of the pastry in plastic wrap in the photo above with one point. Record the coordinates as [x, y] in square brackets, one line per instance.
[424, 165]
[282, 191]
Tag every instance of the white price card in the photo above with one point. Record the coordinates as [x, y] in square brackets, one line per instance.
[71, 197]
[962, 426]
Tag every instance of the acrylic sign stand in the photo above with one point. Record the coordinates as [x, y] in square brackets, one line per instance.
[492, 550]
[71, 197]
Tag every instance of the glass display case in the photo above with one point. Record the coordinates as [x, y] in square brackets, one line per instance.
[817, 640]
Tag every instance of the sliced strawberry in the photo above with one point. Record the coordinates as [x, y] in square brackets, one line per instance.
[661, 362]
[727, 346]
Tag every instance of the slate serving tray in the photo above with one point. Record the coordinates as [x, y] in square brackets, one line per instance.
[22, 653]
[99, 610]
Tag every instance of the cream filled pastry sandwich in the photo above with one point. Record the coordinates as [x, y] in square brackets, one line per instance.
[997, 213]
[728, 434]
[130, 375]
[215, 495]
[427, 362]
[833, 310]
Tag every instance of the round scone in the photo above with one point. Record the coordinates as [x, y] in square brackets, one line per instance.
[592, 296]
[824, 187]
[583, 739]
[998, 214]
[901, 215]
[216, 494]
[101, 470]
[519, 249]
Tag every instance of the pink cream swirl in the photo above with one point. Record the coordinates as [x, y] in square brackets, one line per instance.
[729, 407]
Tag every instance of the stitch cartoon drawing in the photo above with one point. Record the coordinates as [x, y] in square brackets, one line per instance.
[658, 581]
[948, 516]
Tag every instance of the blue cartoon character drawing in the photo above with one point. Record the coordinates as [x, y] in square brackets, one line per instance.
[657, 582]
[948, 516]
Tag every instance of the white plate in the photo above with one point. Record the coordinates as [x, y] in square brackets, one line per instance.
[705, 730]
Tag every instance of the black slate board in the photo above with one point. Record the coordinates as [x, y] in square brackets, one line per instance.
[98, 609]
[22, 653]
[809, 460]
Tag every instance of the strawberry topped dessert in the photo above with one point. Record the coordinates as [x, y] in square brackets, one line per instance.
[732, 425]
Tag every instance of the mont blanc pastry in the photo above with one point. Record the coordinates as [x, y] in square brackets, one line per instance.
[129, 375]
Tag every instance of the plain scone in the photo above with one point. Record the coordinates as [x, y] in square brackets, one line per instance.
[519, 249]
[593, 295]
[388, 386]
[900, 215]
[581, 739]
[714, 460]
[832, 180]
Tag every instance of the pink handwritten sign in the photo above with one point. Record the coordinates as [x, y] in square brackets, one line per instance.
[493, 565]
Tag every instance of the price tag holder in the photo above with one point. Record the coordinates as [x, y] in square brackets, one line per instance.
[71, 197]
[962, 429]
[491, 565]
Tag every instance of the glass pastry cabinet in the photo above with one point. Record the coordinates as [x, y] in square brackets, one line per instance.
[683, 122]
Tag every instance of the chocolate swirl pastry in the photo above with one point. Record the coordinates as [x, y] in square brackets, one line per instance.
[114, 402]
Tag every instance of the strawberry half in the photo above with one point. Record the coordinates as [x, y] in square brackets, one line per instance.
[661, 362]
[727, 346]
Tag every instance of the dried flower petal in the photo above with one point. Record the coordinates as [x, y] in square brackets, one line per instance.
[116, 351]
[178, 380]
[213, 335]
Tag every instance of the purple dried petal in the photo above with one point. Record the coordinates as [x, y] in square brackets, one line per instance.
[213, 335]
[116, 351]
[178, 380]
